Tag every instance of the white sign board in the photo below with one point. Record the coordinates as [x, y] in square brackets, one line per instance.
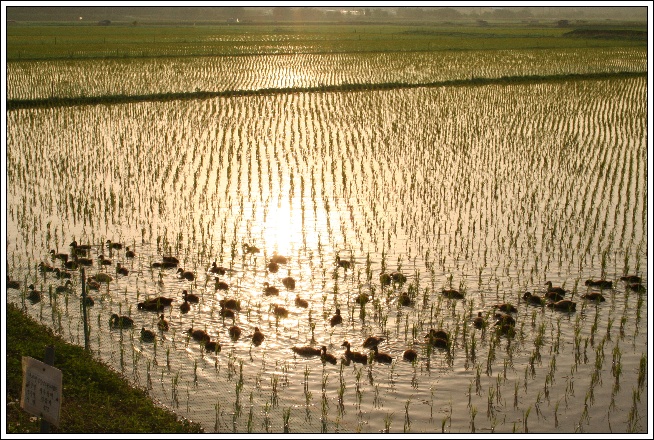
[42, 387]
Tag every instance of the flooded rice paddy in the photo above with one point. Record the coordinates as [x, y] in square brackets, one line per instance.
[491, 191]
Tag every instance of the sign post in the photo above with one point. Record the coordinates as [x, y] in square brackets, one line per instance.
[42, 389]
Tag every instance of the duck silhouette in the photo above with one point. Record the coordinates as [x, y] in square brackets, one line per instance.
[594, 296]
[372, 341]
[147, 335]
[479, 322]
[257, 337]
[327, 357]
[336, 319]
[190, 297]
[269, 290]
[564, 305]
[378, 356]
[163, 324]
[533, 299]
[117, 321]
[234, 332]
[186, 274]
[299, 302]
[354, 355]
[306, 351]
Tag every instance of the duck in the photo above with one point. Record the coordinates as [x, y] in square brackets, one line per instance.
[217, 269]
[410, 355]
[398, 277]
[278, 259]
[185, 307]
[170, 260]
[63, 274]
[307, 351]
[88, 301]
[533, 299]
[234, 332]
[504, 319]
[12, 284]
[227, 313]
[65, 288]
[385, 279]
[102, 261]
[83, 261]
[631, 279]
[438, 338]
[102, 277]
[554, 296]
[163, 324]
[354, 355]
[250, 249]
[230, 303]
[452, 294]
[34, 295]
[594, 296]
[269, 290]
[280, 311]
[560, 290]
[147, 335]
[212, 346]
[114, 245]
[380, 357]
[372, 341]
[129, 253]
[150, 306]
[59, 256]
[327, 357]
[479, 321]
[345, 264]
[45, 268]
[165, 301]
[198, 335]
[121, 270]
[186, 274]
[362, 299]
[221, 285]
[92, 285]
[289, 283]
[506, 308]
[257, 337]
[70, 265]
[600, 284]
[79, 247]
[404, 300]
[164, 265]
[636, 287]
[190, 297]
[273, 267]
[564, 305]
[336, 319]
[299, 302]
[117, 321]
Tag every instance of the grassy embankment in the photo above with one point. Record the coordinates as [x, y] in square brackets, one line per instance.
[95, 398]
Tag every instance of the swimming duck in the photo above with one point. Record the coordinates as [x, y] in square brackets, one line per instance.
[82, 261]
[64, 288]
[594, 296]
[169, 259]
[362, 299]
[273, 267]
[113, 245]
[228, 313]
[70, 265]
[479, 322]
[405, 300]
[372, 341]
[280, 311]
[554, 296]
[79, 248]
[120, 321]
[89, 301]
[269, 290]
[147, 335]
[160, 300]
[221, 285]
[186, 274]
[34, 295]
[336, 319]
[307, 351]
[129, 253]
[184, 307]
[102, 277]
[410, 355]
[354, 355]
[398, 277]
[257, 337]
[345, 264]
[230, 303]
[533, 299]
[327, 357]
[600, 284]
[299, 302]
[250, 249]
[163, 324]
[63, 274]
[212, 346]
[102, 261]
[164, 265]
[565, 305]
[504, 319]
[121, 270]
[439, 339]
[636, 287]
[12, 284]
[559, 290]
[217, 269]
[234, 332]
[378, 356]
[289, 283]
[92, 285]
[44, 267]
[631, 279]
[198, 335]
[385, 279]
[278, 259]
[190, 297]
[452, 294]
[506, 308]
[59, 256]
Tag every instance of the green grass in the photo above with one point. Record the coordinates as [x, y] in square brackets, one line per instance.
[70, 41]
[95, 398]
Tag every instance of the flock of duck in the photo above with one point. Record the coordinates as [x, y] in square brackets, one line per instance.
[553, 297]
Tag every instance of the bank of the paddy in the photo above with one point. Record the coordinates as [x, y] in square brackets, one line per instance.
[95, 399]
